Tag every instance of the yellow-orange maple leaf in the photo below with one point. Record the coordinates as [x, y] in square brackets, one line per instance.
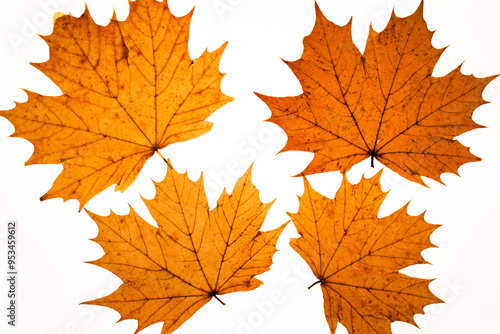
[129, 89]
[383, 104]
[170, 272]
[356, 256]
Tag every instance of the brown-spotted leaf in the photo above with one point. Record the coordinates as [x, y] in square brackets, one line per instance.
[129, 89]
[170, 272]
[357, 257]
[382, 104]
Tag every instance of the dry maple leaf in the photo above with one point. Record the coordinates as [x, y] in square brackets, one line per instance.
[383, 104]
[356, 256]
[170, 272]
[129, 89]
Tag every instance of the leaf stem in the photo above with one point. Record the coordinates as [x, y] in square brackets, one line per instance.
[166, 161]
[215, 296]
[319, 281]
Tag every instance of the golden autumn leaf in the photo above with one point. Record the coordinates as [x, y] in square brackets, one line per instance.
[129, 89]
[356, 256]
[382, 104]
[170, 272]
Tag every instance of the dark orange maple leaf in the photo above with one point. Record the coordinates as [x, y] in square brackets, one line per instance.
[170, 272]
[129, 89]
[383, 104]
[356, 256]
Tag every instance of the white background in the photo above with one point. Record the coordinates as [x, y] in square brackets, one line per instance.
[53, 236]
